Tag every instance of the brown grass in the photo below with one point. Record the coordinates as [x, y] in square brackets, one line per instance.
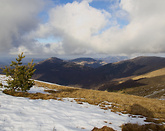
[153, 87]
[155, 73]
[1, 85]
[146, 127]
[150, 108]
[104, 128]
[134, 127]
[30, 95]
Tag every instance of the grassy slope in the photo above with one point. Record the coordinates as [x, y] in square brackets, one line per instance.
[151, 108]
[152, 85]
[155, 73]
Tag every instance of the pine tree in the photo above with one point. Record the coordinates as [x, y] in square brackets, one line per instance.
[20, 75]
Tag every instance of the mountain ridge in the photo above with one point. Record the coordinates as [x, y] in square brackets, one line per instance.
[70, 73]
[59, 71]
[87, 61]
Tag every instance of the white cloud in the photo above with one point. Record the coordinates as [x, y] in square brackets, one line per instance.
[144, 33]
[78, 20]
[80, 27]
[83, 29]
[76, 23]
[17, 18]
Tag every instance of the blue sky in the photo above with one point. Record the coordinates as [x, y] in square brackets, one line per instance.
[82, 27]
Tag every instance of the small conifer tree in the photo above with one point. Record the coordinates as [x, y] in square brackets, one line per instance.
[20, 75]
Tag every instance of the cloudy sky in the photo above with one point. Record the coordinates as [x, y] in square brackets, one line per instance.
[82, 27]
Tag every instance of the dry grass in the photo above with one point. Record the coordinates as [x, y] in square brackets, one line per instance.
[146, 127]
[153, 87]
[150, 108]
[104, 128]
[30, 95]
[134, 127]
[150, 85]
[155, 73]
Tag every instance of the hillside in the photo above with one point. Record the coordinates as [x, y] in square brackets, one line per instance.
[68, 108]
[151, 74]
[152, 87]
[136, 66]
[60, 72]
[69, 73]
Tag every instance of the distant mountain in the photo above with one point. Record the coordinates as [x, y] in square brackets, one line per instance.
[101, 78]
[7, 61]
[112, 59]
[61, 72]
[90, 62]
[144, 76]
[136, 66]
[2, 64]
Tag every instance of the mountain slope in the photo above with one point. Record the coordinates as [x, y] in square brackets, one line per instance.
[125, 69]
[136, 66]
[59, 71]
[150, 87]
[69, 73]
[155, 73]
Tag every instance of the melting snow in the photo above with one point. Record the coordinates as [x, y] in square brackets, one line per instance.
[22, 114]
[35, 89]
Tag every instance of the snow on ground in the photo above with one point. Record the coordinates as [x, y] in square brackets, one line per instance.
[155, 92]
[35, 89]
[22, 114]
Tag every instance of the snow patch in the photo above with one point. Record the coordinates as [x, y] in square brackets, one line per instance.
[22, 114]
[155, 92]
[35, 89]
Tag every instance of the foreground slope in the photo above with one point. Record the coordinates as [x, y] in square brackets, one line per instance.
[44, 111]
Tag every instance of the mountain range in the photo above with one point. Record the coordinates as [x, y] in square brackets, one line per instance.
[70, 73]
[60, 72]
[143, 76]
[112, 59]
[90, 62]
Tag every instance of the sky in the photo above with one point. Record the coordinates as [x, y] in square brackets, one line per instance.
[82, 27]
